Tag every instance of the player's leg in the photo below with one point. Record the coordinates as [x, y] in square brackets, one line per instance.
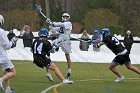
[113, 68]
[58, 73]
[66, 47]
[48, 75]
[8, 89]
[10, 72]
[69, 65]
[6, 77]
[133, 68]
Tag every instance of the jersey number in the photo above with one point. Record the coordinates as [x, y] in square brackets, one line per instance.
[38, 49]
[61, 30]
[116, 40]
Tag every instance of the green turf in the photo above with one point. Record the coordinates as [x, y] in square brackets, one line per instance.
[31, 79]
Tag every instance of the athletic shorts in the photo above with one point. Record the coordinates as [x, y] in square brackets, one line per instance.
[42, 61]
[122, 59]
[66, 46]
[6, 65]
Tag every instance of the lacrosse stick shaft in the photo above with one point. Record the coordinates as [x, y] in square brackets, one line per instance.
[43, 14]
[39, 9]
[79, 39]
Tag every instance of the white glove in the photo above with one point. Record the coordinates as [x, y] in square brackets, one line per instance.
[14, 40]
[56, 43]
[49, 21]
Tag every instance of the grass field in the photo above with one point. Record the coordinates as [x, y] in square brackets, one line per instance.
[86, 76]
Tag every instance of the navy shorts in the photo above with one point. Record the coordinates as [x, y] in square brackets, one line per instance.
[42, 61]
[122, 59]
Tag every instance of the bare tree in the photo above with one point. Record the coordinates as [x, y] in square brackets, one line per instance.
[47, 6]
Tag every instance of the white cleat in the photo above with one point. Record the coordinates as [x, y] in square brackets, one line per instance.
[9, 90]
[1, 86]
[67, 81]
[49, 76]
[119, 79]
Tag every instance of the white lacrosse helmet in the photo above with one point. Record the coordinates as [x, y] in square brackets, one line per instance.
[65, 17]
[1, 20]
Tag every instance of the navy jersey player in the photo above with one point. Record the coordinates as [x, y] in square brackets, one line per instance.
[41, 49]
[122, 55]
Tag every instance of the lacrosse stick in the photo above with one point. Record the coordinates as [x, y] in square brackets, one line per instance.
[79, 39]
[39, 9]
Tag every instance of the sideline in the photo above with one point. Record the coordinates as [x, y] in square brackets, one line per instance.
[57, 85]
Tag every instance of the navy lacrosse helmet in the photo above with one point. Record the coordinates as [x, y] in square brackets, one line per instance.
[105, 32]
[43, 32]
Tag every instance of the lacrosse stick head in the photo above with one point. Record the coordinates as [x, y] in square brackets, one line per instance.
[38, 7]
[1, 20]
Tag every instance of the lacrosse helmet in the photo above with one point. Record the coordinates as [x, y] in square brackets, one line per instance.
[105, 32]
[1, 20]
[43, 32]
[65, 17]
[128, 32]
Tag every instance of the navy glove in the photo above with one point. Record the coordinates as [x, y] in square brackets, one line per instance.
[14, 40]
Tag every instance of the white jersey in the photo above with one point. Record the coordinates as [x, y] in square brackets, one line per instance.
[5, 44]
[64, 29]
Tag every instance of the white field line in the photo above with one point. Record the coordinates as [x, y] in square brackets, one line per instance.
[51, 87]
[57, 85]
[104, 79]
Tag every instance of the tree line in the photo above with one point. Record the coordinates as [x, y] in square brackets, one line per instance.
[118, 15]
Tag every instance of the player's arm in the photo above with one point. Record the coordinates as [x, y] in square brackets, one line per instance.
[58, 24]
[100, 43]
[6, 43]
[49, 47]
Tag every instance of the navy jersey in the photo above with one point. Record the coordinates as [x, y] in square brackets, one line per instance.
[41, 47]
[113, 44]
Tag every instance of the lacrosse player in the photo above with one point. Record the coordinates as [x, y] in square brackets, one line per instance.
[41, 49]
[122, 55]
[64, 29]
[5, 64]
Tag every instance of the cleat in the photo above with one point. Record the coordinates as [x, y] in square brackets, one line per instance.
[68, 76]
[49, 76]
[67, 81]
[12, 90]
[119, 79]
[1, 86]
[9, 90]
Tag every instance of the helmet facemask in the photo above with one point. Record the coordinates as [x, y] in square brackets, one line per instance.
[65, 17]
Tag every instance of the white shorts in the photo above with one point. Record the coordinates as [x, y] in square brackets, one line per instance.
[7, 64]
[66, 47]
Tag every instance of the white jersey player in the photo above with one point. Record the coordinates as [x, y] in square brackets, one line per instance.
[5, 64]
[64, 30]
